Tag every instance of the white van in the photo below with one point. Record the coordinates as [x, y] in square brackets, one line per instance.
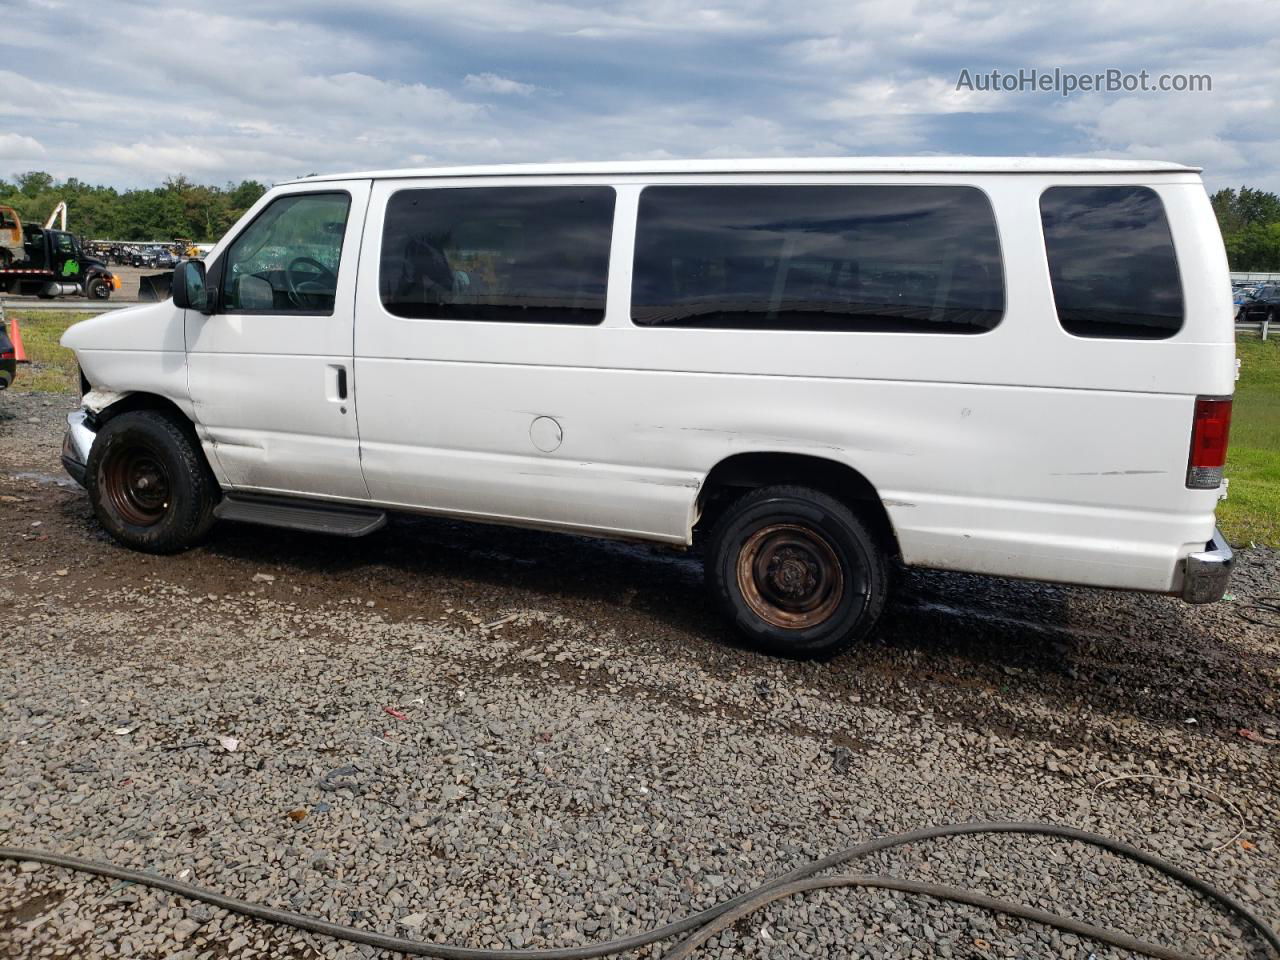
[1016, 367]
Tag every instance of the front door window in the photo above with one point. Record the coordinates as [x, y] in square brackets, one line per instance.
[286, 261]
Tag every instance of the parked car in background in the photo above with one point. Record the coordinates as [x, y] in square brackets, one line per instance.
[816, 369]
[8, 359]
[142, 256]
[1260, 304]
[1240, 290]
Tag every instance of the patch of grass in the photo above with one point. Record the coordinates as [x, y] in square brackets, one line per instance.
[1251, 514]
[52, 368]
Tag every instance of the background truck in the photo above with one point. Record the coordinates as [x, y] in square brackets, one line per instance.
[52, 264]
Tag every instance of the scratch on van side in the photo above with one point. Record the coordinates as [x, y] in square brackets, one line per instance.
[1112, 473]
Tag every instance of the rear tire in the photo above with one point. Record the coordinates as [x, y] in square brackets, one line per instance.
[796, 572]
[149, 484]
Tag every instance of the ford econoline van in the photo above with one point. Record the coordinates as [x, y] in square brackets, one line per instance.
[817, 368]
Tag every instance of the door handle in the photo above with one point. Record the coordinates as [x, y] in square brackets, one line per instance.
[336, 385]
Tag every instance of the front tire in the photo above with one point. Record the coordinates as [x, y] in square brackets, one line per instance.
[149, 484]
[797, 572]
[98, 289]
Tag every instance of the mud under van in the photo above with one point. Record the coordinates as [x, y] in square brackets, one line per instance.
[816, 368]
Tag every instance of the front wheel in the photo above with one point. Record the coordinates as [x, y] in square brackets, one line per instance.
[149, 484]
[797, 572]
[98, 289]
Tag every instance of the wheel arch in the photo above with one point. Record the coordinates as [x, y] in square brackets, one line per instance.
[112, 405]
[742, 472]
[104, 406]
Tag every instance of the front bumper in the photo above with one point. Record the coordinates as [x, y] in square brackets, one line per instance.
[76, 443]
[1205, 574]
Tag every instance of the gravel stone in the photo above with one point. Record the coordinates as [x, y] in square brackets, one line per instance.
[580, 751]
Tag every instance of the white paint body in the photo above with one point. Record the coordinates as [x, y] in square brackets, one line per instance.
[1023, 451]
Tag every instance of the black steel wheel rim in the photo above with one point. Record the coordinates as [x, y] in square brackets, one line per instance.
[136, 483]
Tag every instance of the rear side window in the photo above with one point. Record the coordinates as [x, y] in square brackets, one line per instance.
[509, 254]
[1112, 262]
[860, 258]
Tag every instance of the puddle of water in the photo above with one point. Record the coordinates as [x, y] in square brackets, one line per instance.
[44, 479]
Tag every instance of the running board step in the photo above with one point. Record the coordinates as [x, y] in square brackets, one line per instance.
[342, 521]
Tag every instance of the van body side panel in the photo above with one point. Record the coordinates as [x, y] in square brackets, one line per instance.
[960, 495]
[1024, 451]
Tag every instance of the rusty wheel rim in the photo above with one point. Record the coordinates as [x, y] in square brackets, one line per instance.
[790, 576]
[136, 484]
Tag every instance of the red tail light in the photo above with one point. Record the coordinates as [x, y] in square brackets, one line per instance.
[7, 355]
[1209, 432]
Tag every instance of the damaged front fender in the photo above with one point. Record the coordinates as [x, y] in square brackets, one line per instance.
[95, 401]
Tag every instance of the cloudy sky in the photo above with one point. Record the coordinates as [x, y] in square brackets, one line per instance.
[126, 94]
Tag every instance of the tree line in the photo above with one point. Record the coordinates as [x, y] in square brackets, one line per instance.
[1250, 223]
[178, 208]
[1249, 218]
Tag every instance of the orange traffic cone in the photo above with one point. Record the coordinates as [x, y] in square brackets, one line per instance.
[15, 336]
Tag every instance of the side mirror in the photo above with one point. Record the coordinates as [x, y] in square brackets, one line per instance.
[189, 291]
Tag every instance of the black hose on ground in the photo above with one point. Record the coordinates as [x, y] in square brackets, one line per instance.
[708, 923]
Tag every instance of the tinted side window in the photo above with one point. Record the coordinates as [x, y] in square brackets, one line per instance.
[286, 261]
[871, 258]
[1112, 262]
[511, 254]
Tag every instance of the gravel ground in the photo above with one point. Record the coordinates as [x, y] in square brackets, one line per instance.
[575, 749]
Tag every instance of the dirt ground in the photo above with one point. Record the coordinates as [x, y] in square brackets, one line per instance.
[1024, 683]
[129, 281]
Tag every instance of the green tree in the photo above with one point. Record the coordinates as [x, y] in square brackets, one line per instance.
[177, 208]
[1250, 223]
[1256, 247]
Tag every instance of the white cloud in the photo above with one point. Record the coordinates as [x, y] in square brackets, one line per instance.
[492, 83]
[15, 146]
[269, 94]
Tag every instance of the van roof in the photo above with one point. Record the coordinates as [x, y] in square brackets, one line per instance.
[779, 165]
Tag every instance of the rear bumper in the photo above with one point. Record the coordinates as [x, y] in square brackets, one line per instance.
[76, 443]
[1205, 574]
